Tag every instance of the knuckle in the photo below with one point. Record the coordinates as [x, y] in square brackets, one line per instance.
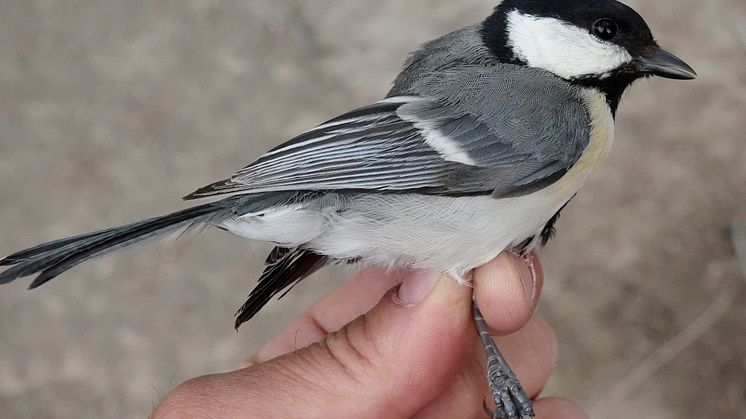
[353, 349]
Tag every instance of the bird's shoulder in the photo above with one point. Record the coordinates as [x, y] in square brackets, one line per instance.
[462, 47]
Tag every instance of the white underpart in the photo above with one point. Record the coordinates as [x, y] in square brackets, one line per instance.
[444, 234]
[561, 48]
[290, 225]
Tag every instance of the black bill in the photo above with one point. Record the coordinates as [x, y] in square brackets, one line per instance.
[664, 64]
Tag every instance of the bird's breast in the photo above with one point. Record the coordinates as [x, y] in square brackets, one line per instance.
[601, 122]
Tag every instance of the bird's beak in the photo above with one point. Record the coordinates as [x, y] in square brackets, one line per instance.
[664, 64]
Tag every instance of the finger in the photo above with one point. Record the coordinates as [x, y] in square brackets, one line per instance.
[557, 408]
[507, 291]
[388, 363]
[354, 298]
[532, 354]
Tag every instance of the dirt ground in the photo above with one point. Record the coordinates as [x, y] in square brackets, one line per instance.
[112, 110]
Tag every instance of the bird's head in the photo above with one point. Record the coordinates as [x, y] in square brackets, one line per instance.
[601, 43]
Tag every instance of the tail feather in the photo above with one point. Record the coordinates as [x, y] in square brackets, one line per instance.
[45, 248]
[285, 269]
[54, 258]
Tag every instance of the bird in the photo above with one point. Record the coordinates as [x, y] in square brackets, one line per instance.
[486, 135]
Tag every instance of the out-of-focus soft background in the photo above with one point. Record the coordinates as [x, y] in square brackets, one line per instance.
[111, 110]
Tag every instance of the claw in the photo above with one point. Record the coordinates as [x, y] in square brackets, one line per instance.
[497, 414]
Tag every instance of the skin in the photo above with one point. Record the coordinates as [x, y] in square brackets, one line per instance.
[368, 350]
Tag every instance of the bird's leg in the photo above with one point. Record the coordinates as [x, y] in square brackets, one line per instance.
[510, 399]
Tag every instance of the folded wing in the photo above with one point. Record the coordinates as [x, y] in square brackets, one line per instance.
[422, 144]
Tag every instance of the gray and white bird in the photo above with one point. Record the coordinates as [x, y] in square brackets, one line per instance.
[486, 135]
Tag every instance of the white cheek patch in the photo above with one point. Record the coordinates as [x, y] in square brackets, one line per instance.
[561, 48]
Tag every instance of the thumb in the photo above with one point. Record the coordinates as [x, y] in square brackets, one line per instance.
[388, 363]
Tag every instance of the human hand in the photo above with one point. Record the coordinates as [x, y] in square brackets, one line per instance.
[374, 353]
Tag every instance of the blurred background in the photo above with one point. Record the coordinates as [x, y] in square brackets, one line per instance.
[112, 110]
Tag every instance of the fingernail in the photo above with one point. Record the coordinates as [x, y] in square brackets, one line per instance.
[527, 272]
[416, 287]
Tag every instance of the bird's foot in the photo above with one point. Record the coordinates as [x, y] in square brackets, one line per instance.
[510, 399]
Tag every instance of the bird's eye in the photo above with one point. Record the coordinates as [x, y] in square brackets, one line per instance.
[605, 29]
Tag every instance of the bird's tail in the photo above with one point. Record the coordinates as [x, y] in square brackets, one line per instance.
[52, 259]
